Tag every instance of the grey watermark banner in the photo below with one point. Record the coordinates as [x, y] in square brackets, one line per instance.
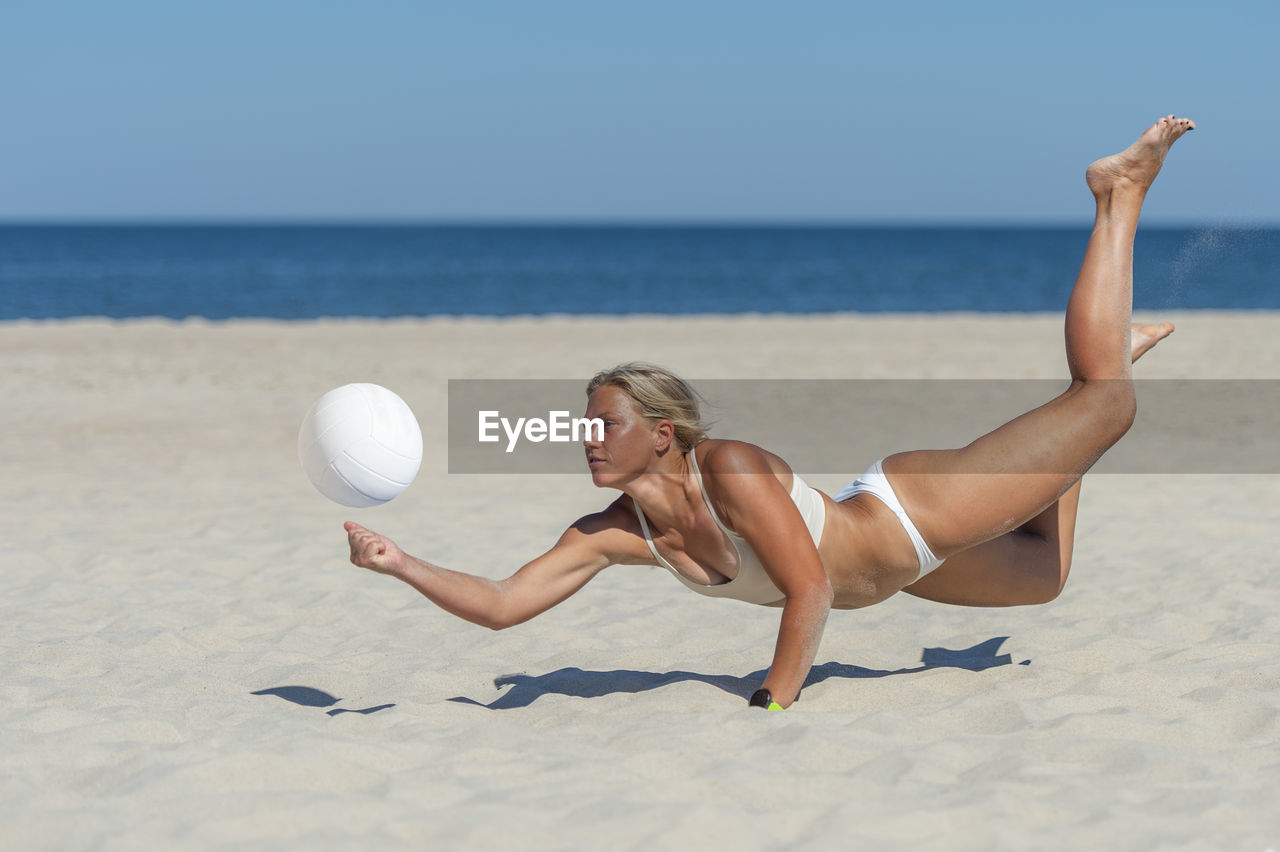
[841, 426]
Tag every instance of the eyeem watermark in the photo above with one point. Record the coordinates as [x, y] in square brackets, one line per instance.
[559, 427]
[1183, 425]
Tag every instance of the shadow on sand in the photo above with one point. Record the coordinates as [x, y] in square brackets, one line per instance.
[526, 689]
[306, 696]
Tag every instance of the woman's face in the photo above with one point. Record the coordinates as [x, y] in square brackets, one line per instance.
[630, 440]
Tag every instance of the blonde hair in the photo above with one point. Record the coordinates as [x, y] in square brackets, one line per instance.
[660, 395]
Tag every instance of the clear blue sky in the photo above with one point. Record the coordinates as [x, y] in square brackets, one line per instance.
[588, 111]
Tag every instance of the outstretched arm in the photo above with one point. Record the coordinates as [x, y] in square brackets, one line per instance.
[535, 588]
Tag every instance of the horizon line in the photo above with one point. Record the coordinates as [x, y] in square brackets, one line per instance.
[673, 222]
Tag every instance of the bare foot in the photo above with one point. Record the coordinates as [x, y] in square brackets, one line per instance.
[1137, 165]
[1146, 336]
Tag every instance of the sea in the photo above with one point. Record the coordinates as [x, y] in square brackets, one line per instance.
[298, 272]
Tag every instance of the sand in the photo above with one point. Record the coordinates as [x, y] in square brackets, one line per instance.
[188, 661]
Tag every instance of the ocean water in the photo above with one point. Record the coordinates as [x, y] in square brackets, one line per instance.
[301, 272]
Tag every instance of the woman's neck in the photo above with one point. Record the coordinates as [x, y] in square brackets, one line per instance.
[667, 495]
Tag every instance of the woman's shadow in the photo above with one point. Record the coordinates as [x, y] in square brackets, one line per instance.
[575, 682]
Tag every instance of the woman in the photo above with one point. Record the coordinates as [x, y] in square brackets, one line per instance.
[990, 524]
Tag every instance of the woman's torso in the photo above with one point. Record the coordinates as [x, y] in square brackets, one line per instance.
[863, 548]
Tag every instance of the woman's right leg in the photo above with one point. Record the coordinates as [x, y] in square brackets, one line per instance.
[1016, 474]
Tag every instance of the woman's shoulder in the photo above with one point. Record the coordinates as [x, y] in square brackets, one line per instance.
[619, 515]
[613, 532]
[724, 456]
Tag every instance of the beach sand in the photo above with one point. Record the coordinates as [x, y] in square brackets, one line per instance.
[189, 661]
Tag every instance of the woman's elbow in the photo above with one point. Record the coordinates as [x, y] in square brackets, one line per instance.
[508, 612]
[500, 618]
[490, 620]
[502, 609]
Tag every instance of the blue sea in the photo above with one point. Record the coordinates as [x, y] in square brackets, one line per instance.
[310, 271]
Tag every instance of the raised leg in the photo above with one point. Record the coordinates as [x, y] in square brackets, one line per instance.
[1011, 481]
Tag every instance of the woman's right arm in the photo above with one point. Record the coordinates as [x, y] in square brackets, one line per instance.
[581, 553]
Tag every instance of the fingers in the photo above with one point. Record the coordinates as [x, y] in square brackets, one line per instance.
[358, 534]
[373, 551]
[366, 545]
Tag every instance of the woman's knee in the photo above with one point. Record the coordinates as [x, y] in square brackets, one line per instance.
[1049, 567]
[1128, 403]
[1126, 408]
[1050, 587]
[1115, 403]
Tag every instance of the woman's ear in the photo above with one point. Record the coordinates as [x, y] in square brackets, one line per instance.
[664, 434]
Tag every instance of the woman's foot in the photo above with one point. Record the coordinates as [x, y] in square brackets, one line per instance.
[1137, 166]
[1144, 337]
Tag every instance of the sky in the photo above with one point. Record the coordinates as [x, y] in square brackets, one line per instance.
[412, 110]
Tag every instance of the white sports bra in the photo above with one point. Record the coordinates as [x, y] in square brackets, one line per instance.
[752, 584]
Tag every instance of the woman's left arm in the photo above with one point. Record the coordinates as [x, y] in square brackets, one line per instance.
[754, 503]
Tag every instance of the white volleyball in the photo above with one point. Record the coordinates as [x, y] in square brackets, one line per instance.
[360, 445]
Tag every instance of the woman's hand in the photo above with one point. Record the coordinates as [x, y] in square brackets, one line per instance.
[373, 551]
[803, 618]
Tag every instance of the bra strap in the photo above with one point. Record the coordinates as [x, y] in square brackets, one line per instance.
[705, 499]
[648, 537]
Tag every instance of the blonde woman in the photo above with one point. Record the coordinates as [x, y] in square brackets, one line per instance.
[991, 524]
